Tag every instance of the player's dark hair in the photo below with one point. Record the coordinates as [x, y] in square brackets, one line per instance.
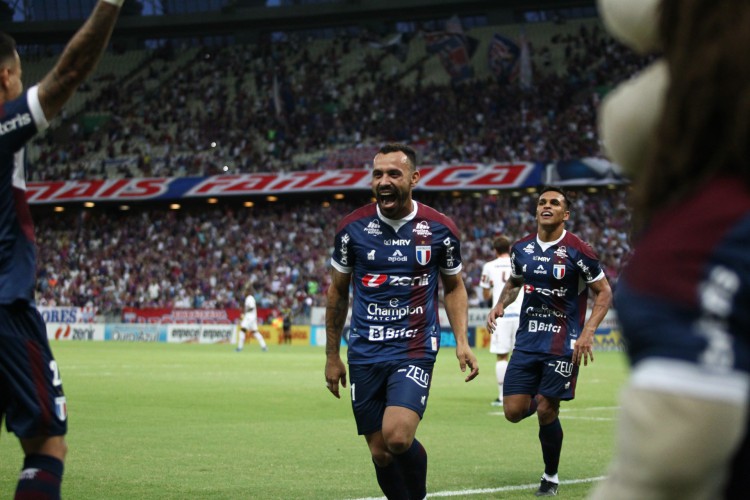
[705, 124]
[396, 147]
[557, 189]
[7, 47]
[501, 244]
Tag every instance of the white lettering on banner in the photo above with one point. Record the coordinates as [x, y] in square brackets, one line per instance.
[468, 177]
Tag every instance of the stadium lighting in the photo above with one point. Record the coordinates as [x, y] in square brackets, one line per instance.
[338, 196]
[592, 189]
[493, 192]
[531, 190]
[213, 144]
[272, 198]
[59, 209]
[225, 168]
[89, 204]
[174, 206]
[124, 207]
[326, 204]
[249, 204]
[212, 201]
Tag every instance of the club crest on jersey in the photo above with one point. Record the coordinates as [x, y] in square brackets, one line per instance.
[558, 271]
[424, 252]
[61, 408]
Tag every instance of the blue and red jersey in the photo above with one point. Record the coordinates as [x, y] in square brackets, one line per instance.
[395, 267]
[556, 277]
[685, 293]
[20, 120]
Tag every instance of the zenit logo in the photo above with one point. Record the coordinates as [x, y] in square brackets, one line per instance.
[374, 280]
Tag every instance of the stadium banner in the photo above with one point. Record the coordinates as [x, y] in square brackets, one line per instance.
[75, 331]
[67, 314]
[124, 332]
[167, 315]
[454, 177]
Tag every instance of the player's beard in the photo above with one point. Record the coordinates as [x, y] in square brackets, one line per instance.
[394, 204]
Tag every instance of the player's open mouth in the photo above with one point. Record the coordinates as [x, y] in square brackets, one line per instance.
[387, 198]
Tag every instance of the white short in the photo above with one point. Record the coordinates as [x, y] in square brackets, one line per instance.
[504, 337]
[249, 323]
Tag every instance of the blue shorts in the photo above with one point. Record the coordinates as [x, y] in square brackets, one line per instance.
[397, 383]
[546, 374]
[31, 393]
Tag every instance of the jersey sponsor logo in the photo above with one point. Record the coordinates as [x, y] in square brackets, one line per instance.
[376, 280]
[540, 270]
[529, 249]
[419, 375]
[373, 228]
[381, 333]
[540, 326]
[585, 270]
[558, 271]
[399, 243]
[564, 368]
[344, 249]
[544, 312]
[562, 252]
[547, 292]
[18, 121]
[371, 255]
[397, 257]
[449, 259]
[542, 259]
[422, 229]
[393, 312]
[424, 252]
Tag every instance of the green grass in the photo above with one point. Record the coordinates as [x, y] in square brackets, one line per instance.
[176, 421]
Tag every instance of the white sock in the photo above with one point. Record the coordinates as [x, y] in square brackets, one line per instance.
[240, 339]
[260, 340]
[551, 479]
[500, 368]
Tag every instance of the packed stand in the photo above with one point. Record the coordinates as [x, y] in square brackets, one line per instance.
[204, 258]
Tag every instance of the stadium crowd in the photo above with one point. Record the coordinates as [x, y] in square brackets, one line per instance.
[203, 258]
[298, 106]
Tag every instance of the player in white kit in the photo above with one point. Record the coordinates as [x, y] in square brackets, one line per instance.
[494, 275]
[250, 322]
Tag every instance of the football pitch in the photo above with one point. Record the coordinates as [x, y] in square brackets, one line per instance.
[176, 421]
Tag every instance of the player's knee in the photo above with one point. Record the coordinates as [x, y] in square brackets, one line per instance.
[513, 415]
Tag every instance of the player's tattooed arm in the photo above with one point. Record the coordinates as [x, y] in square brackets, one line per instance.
[78, 60]
[337, 308]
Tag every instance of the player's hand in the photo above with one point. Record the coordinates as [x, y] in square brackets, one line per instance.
[496, 312]
[583, 349]
[466, 358]
[335, 374]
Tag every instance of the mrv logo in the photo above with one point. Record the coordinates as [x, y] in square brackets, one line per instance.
[418, 375]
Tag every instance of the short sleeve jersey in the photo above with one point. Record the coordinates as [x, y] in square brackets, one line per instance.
[251, 311]
[495, 274]
[395, 267]
[20, 119]
[556, 277]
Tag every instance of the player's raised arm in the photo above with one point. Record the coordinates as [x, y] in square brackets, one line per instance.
[457, 309]
[79, 58]
[337, 307]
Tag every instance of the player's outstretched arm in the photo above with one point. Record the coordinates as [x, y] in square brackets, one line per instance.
[79, 58]
[337, 307]
[457, 309]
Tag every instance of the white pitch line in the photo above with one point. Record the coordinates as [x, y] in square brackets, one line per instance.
[502, 489]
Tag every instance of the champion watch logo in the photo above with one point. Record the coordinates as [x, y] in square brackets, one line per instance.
[424, 252]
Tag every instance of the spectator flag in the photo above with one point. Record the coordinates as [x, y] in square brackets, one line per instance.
[455, 51]
[504, 55]
[526, 79]
[397, 46]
